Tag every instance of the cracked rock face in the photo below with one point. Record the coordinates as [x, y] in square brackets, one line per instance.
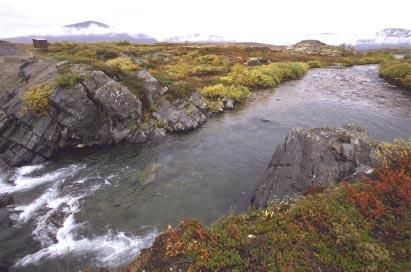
[182, 115]
[96, 111]
[319, 156]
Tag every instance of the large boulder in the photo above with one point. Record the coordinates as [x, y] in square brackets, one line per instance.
[318, 156]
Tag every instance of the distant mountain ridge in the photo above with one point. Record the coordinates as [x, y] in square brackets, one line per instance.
[87, 24]
[386, 38]
[395, 32]
[197, 38]
[87, 31]
[109, 37]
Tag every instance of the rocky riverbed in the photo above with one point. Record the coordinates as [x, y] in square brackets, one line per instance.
[100, 207]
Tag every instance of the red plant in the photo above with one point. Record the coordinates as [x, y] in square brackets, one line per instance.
[390, 188]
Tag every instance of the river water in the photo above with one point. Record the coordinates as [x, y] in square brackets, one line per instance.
[100, 207]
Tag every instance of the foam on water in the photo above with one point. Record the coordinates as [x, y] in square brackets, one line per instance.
[29, 210]
[112, 249]
[28, 169]
[24, 182]
[56, 228]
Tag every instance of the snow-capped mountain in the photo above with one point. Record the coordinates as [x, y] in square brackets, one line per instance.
[386, 38]
[199, 38]
[86, 24]
[88, 31]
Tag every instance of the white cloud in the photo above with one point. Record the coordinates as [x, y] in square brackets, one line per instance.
[257, 20]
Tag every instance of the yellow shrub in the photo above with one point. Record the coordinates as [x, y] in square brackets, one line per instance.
[397, 72]
[86, 54]
[314, 64]
[178, 71]
[36, 99]
[265, 76]
[237, 93]
[202, 70]
[125, 64]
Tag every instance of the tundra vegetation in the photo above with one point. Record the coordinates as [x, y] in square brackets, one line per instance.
[354, 226]
[216, 71]
[397, 72]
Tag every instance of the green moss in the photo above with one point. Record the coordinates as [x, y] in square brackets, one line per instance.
[36, 100]
[68, 79]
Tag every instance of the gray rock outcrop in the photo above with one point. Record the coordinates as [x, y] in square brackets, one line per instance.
[96, 111]
[318, 156]
[182, 114]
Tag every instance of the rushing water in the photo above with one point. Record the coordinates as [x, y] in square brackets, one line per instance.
[101, 207]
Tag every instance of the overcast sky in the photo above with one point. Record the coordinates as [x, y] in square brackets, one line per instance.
[242, 20]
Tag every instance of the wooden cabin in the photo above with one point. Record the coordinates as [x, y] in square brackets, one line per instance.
[40, 43]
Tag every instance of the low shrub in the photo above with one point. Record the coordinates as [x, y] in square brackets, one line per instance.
[204, 70]
[36, 100]
[237, 93]
[373, 57]
[86, 54]
[314, 64]
[106, 54]
[265, 76]
[397, 72]
[178, 71]
[180, 88]
[122, 43]
[125, 64]
[113, 71]
[162, 78]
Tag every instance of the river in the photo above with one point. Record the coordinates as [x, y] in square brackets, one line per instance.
[100, 207]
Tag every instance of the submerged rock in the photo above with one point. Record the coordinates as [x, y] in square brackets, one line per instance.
[228, 103]
[148, 175]
[319, 156]
[5, 200]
